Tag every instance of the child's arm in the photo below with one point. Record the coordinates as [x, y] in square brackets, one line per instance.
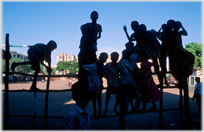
[129, 38]
[183, 32]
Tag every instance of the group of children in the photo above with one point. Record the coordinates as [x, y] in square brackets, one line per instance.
[136, 83]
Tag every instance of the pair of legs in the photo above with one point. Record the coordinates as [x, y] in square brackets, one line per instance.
[137, 104]
[116, 102]
[35, 66]
[96, 96]
[144, 103]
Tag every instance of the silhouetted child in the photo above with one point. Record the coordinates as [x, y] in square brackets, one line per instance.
[78, 118]
[90, 33]
[151, 93]
[103, 72]
[37, 54]
[180, 60]
[133, 60]
[113, 82]
[197, 94]
[128, 83]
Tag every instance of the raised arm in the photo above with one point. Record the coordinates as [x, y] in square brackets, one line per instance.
[125, 29]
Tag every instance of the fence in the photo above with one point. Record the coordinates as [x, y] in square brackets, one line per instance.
[187, 120]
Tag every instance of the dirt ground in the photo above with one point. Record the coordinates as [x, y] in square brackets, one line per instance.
[60, 103]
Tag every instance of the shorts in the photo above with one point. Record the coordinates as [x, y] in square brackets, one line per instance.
[112, 90]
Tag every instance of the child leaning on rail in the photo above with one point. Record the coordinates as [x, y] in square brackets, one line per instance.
[37, 54]
[78, 118]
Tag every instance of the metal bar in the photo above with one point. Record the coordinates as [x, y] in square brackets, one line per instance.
[46, 100]
[17, 45]
[6, 98]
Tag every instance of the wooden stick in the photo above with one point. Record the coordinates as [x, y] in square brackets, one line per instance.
[6, 99]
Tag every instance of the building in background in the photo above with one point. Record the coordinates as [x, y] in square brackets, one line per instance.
[14, 54]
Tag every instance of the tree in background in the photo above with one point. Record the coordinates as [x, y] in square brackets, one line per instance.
[53, 71]
[196, 50]
[21, 68]
[71, 66]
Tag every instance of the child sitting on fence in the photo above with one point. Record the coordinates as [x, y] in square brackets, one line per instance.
[128, 84]
[151, 93]
[78, 118]
[37, 54]
[113, 82]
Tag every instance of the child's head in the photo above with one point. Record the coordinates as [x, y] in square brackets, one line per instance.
[114, 57]
[177, 25]
[126, 54]
[134, 25]
[94, 15]
[143, 28]
[170, 23]
[103, 57]
[51, 45]
[197, 79]
[129, 46]
[81, 94]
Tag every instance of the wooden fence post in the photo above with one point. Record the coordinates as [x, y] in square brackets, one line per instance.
[6, 98]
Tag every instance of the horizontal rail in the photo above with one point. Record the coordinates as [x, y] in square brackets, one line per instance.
[42, 75]
[30, 116]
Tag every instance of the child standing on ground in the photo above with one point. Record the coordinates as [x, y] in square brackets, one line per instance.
[78, 118]
[128, 83]
[102, 72]
[151, 93]
[197, 94]
[113, 82]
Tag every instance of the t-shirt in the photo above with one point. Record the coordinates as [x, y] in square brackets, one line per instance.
[198, 88]
[93, 77]
[125, 74]
[113, 78]
[38, 52]
[76, 119]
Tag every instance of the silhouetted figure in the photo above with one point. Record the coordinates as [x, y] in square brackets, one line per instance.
[128, 83]
[164, 37]
[151, 93]
[37, 54]
[113, 82]
[103, 73]
[133, 60]
[90, 33]
[180, 60]
[146, 41]
[78, 118]
[197, 94]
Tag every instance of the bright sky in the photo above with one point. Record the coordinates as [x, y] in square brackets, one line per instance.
[29, 23]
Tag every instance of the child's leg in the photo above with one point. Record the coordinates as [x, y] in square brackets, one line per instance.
[106, 103]
[117, 103]
[154, 106]
[156, 68]
[99, 105]
[13, 65]
[131, 103]
[137, 103]
[94, 106]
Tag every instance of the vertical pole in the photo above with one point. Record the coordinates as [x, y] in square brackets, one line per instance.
[46, 100]
[6, 99]
[188, 121]
[181, 104]
[161, 101]
[34, 111]
[122, 109]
